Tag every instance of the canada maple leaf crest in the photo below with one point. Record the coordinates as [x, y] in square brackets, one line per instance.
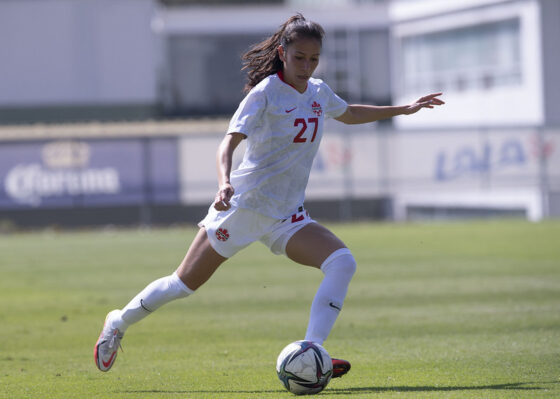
[222, 234]
[316, 107]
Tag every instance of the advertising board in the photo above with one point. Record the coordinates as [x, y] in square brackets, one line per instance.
[70, 173]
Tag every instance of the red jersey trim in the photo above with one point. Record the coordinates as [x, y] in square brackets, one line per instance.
[280, 74]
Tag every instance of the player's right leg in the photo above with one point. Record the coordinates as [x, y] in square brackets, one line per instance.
[314, 245]
[200, 262]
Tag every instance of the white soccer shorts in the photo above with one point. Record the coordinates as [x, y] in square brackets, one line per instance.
[232, 230]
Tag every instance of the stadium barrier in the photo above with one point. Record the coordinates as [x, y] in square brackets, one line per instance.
[72, 175]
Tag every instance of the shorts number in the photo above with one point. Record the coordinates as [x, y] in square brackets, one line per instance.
[296, 218]
[300, 121]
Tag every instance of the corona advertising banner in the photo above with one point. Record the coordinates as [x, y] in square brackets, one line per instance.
[71, 173]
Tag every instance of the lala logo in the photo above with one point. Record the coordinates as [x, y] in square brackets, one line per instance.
[222, 234]
[316, 107]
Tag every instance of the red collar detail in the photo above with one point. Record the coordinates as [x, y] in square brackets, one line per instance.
[280, 74]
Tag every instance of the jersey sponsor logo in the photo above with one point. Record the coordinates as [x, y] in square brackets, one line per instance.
[290, 110]
[316, 107]
[222, 234]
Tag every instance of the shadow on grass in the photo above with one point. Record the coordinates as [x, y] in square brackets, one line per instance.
[224, 391]
[517, 386]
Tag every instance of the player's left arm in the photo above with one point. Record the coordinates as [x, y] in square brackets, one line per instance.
[358, 113]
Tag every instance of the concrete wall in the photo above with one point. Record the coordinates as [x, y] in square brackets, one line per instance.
[76, 53]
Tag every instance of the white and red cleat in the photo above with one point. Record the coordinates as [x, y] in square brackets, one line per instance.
[340, 367]
[106, 347]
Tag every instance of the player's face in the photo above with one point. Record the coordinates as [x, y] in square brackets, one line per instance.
[300, 59]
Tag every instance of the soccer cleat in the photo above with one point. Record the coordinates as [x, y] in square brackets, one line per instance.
[340, 367]
[106, 347]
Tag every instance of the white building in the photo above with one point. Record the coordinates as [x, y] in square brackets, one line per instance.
[494, 146]
[63, 59]
[496, 60]
[493, 149]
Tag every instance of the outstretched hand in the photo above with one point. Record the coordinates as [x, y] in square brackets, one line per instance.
[428, 101]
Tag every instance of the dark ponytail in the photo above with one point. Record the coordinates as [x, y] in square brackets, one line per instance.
[262, 58]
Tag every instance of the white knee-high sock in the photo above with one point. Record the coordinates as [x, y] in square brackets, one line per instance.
[338, 268]
[156, 294]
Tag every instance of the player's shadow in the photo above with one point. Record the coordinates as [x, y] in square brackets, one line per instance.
[515, 386]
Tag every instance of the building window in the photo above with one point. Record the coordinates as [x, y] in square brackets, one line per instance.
[477, 57]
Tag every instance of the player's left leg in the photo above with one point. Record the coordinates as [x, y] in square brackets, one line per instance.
[315, 245]
[200, 262]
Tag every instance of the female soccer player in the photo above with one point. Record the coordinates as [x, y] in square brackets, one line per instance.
[282, 120]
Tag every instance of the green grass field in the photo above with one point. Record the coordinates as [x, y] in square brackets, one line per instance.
[459, 310]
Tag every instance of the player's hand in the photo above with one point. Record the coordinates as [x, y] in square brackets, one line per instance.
[428, 101]
[223, 196]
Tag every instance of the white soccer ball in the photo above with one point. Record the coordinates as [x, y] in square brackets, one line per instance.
[304, 367]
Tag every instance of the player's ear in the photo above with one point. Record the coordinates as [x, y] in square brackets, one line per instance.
[281, 53]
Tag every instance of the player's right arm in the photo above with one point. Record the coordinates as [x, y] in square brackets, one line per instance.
[224, 158]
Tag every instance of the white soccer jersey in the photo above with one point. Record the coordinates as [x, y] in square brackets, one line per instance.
[284, 128]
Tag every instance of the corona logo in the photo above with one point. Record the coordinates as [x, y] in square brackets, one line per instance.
[65, 154]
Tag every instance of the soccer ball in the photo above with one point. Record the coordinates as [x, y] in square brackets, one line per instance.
[304, 367]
